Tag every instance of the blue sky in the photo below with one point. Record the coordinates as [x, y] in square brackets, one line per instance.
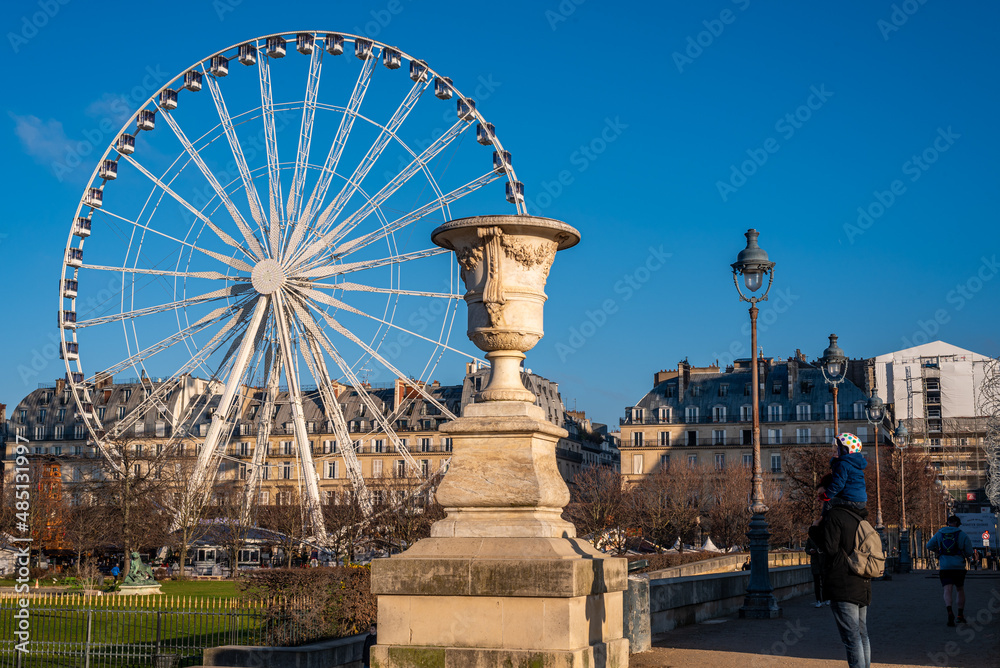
[859, 138]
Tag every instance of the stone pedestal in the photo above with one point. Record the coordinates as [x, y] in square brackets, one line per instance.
[503, 580]
[138, 590]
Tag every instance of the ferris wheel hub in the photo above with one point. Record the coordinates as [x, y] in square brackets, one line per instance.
[268, 276]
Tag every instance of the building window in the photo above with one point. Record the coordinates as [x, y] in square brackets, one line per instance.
[121, 412]
[425, 467]
[747, 460]
[39, 433]
[863, 434]
[720, 461]
[242, 472]
[61, 415]
[719, 414]
[774, 436]
[724, 390]
[637, 465]
[447, 445]
[774, 413]
[59, 433]
[41, 415]
[137, 470]
[638, 414]
[245, 428]
[718, 436]
[331, 470]
[828, 411]
[829, 435]
[775, 462]
[746, 413]
[286, 447]
[425, 445]
[264, 496]
[161, 429]
[692, 460]
[802, 436]
[692, 437]
[859, 410]
[78, 431]
[691, 414]
[637, 439]
[378, 445]
[22, 415]
[664, 462]
[286, 470]
[664, 414]
[101, 412]
[265, 472]
[665, 439]
[376, 468]
[776, 388]
[400, 468]
[803, 412]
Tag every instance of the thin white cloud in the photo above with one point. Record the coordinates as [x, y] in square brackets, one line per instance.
[45, 141]
[110, 105]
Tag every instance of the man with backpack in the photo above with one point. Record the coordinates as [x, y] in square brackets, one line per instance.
[953, 547]
[852, 556]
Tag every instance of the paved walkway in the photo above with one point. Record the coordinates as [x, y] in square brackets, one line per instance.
[906, 623]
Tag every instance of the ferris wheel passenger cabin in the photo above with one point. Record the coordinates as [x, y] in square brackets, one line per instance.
[276, 47]
[219, 66]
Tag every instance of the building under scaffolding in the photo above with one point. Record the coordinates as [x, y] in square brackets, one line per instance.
[937, 390]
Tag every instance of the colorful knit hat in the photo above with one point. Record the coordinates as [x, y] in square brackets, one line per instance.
[849, 442]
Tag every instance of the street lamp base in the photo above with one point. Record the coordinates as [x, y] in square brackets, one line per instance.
[905, 563]
[759, 602]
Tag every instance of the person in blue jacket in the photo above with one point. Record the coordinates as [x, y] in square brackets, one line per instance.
[847, 484]
[953, 547]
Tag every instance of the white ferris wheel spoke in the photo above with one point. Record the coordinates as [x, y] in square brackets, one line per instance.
[167, 342]
[314, 332]
[313, 503]
[359, 287]
[305, 138]
[371, 157]
[271, 141]
[212, 275]
[223, 196]
[326, 299]
[361, 242]
[344, 228]
[230, 291]
[336, 150]
[337, 327]
[228, 240]
[264, 417]
[233, 382]
[326, 271]
[253, 197]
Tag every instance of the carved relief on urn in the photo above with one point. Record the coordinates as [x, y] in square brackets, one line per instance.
[505, 262]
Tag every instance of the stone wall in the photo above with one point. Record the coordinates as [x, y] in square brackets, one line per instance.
[727, 564]
[340, 653]
[680, 601]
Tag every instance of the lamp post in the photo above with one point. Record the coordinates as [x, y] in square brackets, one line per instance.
[902, 435]
[759, 603]
[834, 366]
[875, 412]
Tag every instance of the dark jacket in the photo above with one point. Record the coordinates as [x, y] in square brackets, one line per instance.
[848, 478]
[834, 536]
[815, 557]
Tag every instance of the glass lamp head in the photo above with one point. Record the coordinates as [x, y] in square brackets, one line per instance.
[875, 408]
[752, 263]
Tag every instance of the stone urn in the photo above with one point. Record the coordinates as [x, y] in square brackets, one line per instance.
[505, 262]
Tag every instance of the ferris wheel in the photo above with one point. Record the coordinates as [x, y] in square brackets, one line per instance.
[270, 234]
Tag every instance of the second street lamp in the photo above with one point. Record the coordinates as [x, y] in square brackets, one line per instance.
[875, 412]
[753, 265]
[902, 435]
[833, 363]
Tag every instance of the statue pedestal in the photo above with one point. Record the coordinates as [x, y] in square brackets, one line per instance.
[502, 581]
[138, 590]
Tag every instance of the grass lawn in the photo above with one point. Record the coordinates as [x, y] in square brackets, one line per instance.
[195, 588]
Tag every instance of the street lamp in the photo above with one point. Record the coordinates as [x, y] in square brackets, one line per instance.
[875, 412]
[902, 436]
[834, 366]
[759, 603]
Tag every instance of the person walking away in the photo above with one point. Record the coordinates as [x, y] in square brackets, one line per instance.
[372, 639]
[816, 567]
[835, 535]
[953, 547]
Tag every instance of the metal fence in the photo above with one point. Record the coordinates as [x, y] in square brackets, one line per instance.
[114, 637]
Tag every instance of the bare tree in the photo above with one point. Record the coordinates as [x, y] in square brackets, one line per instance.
[600, 506]
[728, 508]
[669, 503]
[286, 519]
